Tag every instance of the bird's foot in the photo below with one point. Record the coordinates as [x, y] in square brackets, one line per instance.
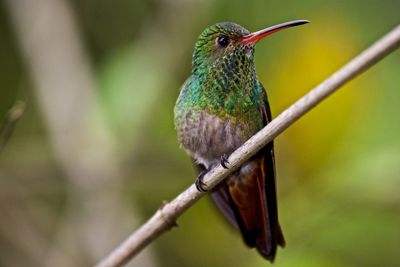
[224, 161]
[199, 181]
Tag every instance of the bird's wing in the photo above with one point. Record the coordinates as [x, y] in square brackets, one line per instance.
[249, 201]
[269, 175]
[221, 197]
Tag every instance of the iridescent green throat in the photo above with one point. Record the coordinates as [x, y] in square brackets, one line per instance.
[223, 80]
[226, 87]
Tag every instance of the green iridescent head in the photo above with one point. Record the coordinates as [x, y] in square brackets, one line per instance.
[217, 43]
[227, 42]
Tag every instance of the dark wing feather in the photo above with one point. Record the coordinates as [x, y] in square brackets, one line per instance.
[269, 174]
[221, 197]
[223, 200]
[248, 200]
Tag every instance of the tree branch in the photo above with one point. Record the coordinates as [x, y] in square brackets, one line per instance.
[165, 217]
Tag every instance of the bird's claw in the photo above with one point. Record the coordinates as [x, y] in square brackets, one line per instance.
[200, 185]
[199, 181]
[224, 161]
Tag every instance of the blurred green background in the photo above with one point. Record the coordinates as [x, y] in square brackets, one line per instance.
[95, 152]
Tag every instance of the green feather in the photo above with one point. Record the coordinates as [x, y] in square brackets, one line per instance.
[223, 80]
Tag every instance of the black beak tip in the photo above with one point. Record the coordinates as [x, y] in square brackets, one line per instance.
[300, 22]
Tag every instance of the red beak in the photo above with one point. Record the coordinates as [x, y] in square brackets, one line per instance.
[255, 36]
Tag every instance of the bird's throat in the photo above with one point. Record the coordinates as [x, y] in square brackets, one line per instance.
[228, 87]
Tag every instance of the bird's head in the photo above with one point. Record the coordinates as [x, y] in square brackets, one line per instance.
[227, 45]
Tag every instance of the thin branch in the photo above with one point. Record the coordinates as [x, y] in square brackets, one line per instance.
[165, 217]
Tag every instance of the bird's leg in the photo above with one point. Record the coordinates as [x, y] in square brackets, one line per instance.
[199, 180]
[224, 161]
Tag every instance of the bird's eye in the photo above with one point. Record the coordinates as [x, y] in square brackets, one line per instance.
[223, 41]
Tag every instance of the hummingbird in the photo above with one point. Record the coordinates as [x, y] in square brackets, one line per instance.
[220, 106]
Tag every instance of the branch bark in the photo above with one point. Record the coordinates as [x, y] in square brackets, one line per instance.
[165, 217]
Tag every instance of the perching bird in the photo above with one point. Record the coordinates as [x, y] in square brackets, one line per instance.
[220, 106]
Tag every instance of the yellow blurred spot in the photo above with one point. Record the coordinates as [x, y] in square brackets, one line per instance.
[320, 51]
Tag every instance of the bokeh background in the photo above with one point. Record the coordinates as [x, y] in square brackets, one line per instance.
[95, 153]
